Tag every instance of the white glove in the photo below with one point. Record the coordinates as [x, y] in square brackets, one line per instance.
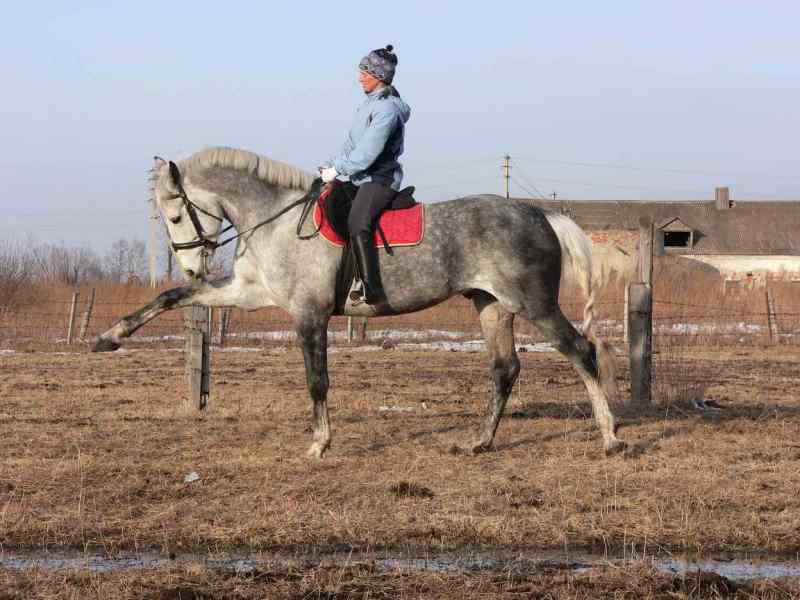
[328, 174]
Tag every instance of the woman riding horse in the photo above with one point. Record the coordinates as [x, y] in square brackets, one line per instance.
[368, 162]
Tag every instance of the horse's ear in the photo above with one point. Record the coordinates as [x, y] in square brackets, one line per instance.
[175, 175]
[159, 162]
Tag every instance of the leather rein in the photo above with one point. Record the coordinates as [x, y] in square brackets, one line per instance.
[209, 245]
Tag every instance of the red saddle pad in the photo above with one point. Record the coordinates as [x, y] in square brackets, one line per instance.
[402, 227]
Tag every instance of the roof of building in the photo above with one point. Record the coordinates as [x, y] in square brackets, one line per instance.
[754, 227]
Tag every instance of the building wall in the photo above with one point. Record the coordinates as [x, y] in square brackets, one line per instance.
[741, 267]
[615, 255]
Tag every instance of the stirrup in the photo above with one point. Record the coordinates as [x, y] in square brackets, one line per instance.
[357, 295]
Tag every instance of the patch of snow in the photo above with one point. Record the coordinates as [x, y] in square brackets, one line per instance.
[334, 349]
[709, 328]
[143, 339]
[470, 346]
[238, 349]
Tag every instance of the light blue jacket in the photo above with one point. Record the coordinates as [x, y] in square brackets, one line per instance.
[375, 141]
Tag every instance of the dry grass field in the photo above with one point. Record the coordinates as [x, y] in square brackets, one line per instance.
[94, 451]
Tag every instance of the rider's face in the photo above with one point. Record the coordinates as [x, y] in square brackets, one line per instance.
[369, 83]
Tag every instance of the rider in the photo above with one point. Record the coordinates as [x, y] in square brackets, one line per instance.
[368, 160]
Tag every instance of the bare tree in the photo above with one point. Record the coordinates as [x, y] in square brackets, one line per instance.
[70, 265]
[126, 260]
[16, 272]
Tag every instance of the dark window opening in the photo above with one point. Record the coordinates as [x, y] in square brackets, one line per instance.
[677, 239]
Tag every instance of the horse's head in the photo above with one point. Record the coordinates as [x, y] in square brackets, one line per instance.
[193, 218]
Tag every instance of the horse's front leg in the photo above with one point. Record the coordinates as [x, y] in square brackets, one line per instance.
[312, 335]
[222, 292]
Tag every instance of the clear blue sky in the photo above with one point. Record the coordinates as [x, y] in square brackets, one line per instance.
[616, 99]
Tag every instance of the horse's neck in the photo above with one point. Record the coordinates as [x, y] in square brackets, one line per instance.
[246, 212]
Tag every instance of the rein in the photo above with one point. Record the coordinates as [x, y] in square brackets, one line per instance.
[308, 201]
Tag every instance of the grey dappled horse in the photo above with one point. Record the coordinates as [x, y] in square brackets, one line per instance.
[505, 255]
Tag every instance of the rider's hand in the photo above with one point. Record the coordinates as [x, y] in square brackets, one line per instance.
[328, 174]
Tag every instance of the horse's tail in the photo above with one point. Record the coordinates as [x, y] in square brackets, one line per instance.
[576, 260]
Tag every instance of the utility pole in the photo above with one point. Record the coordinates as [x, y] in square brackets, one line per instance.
[152, 245]
[507, 171]
[554, 195]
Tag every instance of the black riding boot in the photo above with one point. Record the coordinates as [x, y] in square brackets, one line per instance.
[367, 263]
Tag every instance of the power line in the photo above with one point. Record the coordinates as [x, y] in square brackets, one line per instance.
[624, 166]
[626, 187]
[530, 183]
[526, 189]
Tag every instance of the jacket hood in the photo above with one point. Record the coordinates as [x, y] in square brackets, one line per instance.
[403, 109]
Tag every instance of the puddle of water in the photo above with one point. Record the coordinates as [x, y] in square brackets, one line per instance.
[737, 569]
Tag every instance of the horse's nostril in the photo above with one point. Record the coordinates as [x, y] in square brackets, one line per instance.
[190, 273]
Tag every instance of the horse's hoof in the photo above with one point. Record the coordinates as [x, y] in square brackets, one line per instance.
[105, 345]
[616, 447]
[480, 448]
[316, 451]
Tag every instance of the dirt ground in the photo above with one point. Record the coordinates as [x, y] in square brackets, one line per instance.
[95, 449]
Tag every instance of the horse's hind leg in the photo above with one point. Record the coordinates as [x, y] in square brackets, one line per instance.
[312, 335]
[498, 331]
[583, 354]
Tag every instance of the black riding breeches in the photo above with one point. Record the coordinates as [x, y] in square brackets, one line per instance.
[370, 201]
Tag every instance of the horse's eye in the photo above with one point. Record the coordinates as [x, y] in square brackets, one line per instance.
[175, 220]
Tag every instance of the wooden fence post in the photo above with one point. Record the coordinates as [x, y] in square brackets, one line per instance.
[87, 316]
[772, 321]
[198, 353]
[625, 311]
[72, 312]
[222, 327]
[640, 318]
[349, 330]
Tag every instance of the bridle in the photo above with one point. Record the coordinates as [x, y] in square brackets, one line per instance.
[209, 244]
[202, 240]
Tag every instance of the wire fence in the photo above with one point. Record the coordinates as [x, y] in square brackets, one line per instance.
[686, 333]
[674, 323]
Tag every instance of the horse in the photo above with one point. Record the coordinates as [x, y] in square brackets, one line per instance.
[505, 255]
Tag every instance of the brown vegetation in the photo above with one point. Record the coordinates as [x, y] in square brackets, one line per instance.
[95, 450]
[363, 580]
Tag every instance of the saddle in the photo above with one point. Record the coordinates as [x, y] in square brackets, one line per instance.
[401, 224]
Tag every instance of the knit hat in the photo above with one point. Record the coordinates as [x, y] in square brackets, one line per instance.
[380, 63]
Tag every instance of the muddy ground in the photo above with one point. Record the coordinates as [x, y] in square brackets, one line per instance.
[95, 450]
